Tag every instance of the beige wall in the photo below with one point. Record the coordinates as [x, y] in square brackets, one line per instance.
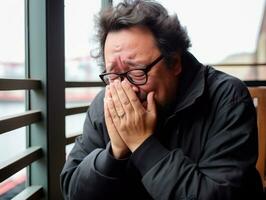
[261, 55]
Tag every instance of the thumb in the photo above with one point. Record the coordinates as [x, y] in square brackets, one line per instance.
[151, 106]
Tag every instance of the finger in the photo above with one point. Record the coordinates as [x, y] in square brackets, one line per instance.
[124, 99]
[115, 138]
[108, 119]
[107, 88]
[112, 111]
[117, 105]
[151, 106]
[133, 98]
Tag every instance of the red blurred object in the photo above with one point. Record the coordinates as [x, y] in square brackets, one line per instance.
[11, 183]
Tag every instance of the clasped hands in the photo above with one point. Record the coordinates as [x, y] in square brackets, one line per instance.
[128, 122]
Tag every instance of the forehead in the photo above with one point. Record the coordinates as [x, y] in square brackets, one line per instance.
[135, 42]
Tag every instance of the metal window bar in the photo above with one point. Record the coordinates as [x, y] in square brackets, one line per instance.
[12, 122]
[36, 13]
[19, 84]
[71, 139]
[34, 192]
[44, 33]
[71, 84]
[73, 111]
[78, 109]
[8, 123]
[18, 162]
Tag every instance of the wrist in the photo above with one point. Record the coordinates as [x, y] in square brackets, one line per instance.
[119, 153]
[136, 145]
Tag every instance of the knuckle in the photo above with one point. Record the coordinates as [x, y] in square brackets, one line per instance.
[126, 102]
[134, 99]
[122, 125]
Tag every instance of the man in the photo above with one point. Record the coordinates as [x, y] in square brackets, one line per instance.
[165, 127]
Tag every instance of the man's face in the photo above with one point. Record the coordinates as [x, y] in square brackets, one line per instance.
[126, 48]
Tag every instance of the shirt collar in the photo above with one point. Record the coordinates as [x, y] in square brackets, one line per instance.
[191, 82]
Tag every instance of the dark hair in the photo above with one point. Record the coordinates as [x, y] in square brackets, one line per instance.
[170, 36]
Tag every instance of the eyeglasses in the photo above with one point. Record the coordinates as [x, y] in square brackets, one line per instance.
[137, 76]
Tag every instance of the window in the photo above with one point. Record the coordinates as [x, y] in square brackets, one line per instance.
[35, 46]
[12, 66]
[79, 65]
[80, 40]
[225, 32]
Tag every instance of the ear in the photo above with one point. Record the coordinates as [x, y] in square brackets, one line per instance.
[177, 66]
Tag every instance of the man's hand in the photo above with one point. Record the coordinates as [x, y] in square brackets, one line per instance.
[119, 148]
[135, 123]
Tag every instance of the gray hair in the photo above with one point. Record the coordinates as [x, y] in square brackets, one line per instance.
[170, 36]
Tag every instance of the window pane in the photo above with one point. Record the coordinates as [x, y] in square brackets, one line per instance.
[80, 96]
[79, 65]
[224, 32]
[12, 48]
[74, 124]
[12, 143]
[219, 29]
[14, 185]
[12, 102]
[228, 31]
[79, 40]
[12, 65]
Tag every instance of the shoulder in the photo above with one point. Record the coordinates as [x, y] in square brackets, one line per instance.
[225, 88]
[96, 108]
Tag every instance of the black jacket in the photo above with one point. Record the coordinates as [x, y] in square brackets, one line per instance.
[205, 149]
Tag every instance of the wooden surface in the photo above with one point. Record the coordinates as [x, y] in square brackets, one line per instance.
[259, 96]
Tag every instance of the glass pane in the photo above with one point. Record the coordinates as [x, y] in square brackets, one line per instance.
[11, 144]
[230, 37]
[79, 40]
[74, 124]
[12, 102]
[79, 65]
[228, 32]
[12, 48]
[80, 96]
[232, 29]
[12, 65]
[74, 127]
[14, 185]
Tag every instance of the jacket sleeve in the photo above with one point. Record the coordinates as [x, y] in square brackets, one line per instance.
[228, 156]
[90, 167]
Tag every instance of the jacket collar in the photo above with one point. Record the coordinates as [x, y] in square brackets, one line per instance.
[191, 82]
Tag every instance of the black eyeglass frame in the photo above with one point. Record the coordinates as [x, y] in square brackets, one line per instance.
[145, 69]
